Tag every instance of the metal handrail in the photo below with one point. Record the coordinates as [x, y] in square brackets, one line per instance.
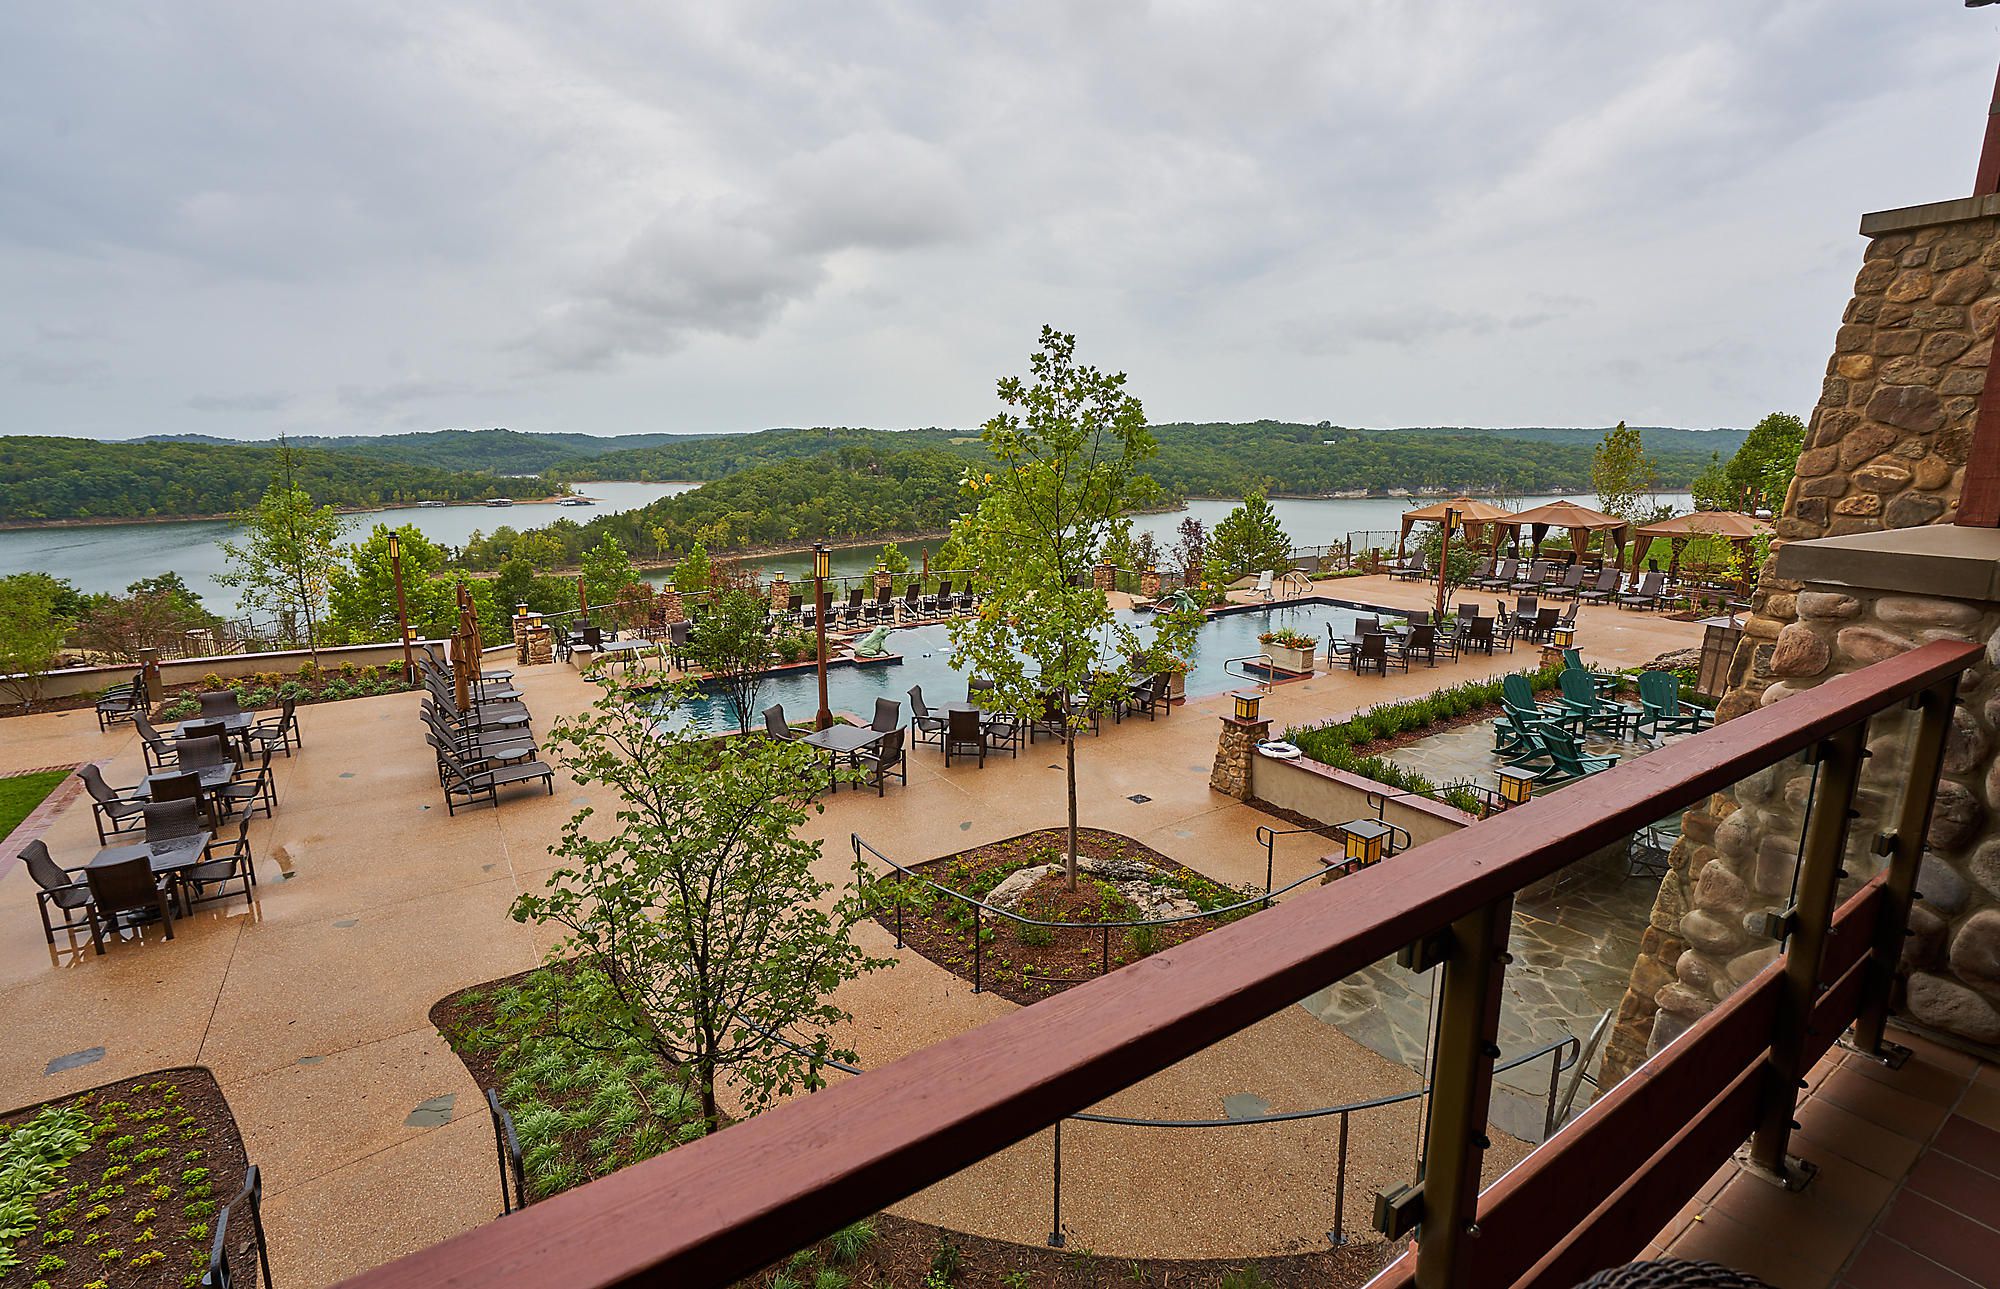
[1262, 682]
[815, 1163]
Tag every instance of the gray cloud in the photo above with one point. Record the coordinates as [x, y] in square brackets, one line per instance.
[390, 215]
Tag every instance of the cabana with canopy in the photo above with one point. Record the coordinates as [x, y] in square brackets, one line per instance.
[1474, 517]
[1739, 530]
[1580, 522]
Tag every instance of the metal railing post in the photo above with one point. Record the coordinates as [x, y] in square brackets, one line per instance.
[1056, 1240]
[1904, 847]
[1444, 1201]
[978, 948]
[1804, 927]
[1338, 1235]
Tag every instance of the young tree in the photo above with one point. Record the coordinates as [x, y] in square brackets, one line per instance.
[361, 589]
[33, 625]
[729, 643]
[699, 910]
[1128, 550]
[1711, 487]
[284, 561]
[1189, 553]
[1623, 476]
[1458, 567]
[691, 576]
[1249, 539]
[607, 570]
[1066, 456]
[1761, 471]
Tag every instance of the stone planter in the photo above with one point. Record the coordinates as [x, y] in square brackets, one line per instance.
[1286, 658]
[1176, 685]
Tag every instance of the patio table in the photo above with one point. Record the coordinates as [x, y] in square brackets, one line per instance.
[170, 856]
[232, 725]
[837, 741]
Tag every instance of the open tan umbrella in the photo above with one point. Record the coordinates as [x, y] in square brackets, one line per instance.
[1472, 516]
[1738, 529]
[1570, 516]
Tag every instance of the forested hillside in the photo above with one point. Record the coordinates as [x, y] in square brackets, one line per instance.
[725, 454]
[52, 478]
[497, 451]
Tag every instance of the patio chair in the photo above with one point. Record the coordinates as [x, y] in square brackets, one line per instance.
[978, 691]
[851, 614]
[1543, 621]
[1569, 586]
[1500, 578]
[115, 810]
[912, 602]
[218, 704]
[1646, 595]
[941, 601]
[125, 889]
[888, 716]
[1423, 642]
[1371, 654]
[278, 733]
[1475, 633]
[1517, 695]
[1148, 696]
[1513, 736]
[1480, 571]
[122, 702]
[166, 820]
[795, 607]
[885, 608]
[1053, 719]
[1337, 646]
[1004, 730]
[227, 861]
[466, 785]
[159, 751]
[929, 727]
[175, 787]
[1605, 588]
[251, 789]
[201, 751]
[776, 726]
[1662, 710]
[882, 758]
[965, 735]
[967, 601]
[1580, 696]
[1567, 759]
[1573, 661]
[56, 887]
[1264, 580]
[1413, 571]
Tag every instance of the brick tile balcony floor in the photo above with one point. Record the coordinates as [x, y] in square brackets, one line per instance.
[1908, 1191]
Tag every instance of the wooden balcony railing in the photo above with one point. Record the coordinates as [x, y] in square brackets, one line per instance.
[721, 1208]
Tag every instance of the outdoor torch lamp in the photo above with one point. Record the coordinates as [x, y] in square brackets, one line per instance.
[1364, 841]
[395, 546]
[1562, 637]
[1247, 703]
[822, 561]
[1515, 785]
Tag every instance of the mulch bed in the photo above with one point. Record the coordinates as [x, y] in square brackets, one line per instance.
[174, 1214]
[1013, 964]
[904, 1254]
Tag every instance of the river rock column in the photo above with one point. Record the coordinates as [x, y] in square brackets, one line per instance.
[1149, 584]
[1104, 577]
[668, 605]
[1230, 774]
[781, 594]
[884, 579]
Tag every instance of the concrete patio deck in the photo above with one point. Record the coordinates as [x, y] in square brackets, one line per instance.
[311, 1004]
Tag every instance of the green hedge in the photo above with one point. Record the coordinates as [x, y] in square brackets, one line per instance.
[1337, 743]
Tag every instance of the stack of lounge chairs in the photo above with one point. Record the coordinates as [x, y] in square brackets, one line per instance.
[484, 746]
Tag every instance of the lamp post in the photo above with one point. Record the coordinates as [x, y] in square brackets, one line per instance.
[402, 609]
[822, 565]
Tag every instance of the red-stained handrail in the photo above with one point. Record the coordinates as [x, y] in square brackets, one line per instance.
[720, 1208]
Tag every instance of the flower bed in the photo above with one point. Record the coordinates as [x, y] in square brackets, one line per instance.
[1025, 963]
[311, 683]
[119, 1187]
[1355, 744]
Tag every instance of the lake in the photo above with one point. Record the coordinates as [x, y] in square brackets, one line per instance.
[109, 557]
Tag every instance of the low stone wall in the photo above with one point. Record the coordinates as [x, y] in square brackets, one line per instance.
[1334, 796]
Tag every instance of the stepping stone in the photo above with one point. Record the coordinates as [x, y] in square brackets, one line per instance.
[75, 1060]
[311, 1060]
[347, 922]
[966, 826]
[434, 1113]
[1245, 1105]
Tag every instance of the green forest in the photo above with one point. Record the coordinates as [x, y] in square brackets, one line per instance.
[55, 478]
[497, 451]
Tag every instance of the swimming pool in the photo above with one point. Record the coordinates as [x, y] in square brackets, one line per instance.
[926, 661]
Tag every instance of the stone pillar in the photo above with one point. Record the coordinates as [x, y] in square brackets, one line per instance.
[781, 594]
[1866, 563]
[1105, 577]
[1231, 773]
[884, 579]
[668, 605]
[1149, 584]
[536, 646]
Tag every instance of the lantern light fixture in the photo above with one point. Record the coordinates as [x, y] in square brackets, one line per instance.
[822, 561]
[1562, 637]
[1364, 840]
[1516, 785]
[1247, 702]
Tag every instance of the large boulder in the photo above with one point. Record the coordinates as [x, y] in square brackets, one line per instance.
[1945, 1004]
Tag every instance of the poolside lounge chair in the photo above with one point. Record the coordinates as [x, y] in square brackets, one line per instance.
[122, 702]
[965, 735]
[1480, 571]
[63, 889]
[1646, 595]
[1663, 711]
[1501, 578]
[1568, 586]
[912, 602]
[939, 600]
[1580, 697]
[852, 613]
[882, 758]
[466, 784]
[1415, 570]
[125, 889]
[1605, 588]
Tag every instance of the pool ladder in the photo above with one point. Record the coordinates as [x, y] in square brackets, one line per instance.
[1262, 682]
[1295, 584]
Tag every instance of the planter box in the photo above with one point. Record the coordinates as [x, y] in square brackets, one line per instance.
[1177, 685]
[1286, 658]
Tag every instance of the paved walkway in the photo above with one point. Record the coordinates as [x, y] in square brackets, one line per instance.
[310, 1005]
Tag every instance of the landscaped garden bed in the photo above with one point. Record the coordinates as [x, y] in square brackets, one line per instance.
[581, 1113]
[120, 1187]
[311, 683]
[1121, 881]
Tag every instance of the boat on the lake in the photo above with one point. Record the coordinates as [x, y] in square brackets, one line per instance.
[499, 501]
[576, 501]
[430, 505]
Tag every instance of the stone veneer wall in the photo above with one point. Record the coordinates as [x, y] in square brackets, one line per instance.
[1886, 448]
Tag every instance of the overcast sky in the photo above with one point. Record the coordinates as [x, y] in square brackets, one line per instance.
[244, 218]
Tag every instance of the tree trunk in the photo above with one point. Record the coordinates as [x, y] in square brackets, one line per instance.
[1069, 750]
[705, 1075]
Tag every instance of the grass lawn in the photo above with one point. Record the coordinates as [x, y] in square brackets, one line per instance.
[23, 793]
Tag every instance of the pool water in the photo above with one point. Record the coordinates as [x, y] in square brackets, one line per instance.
[926, 661]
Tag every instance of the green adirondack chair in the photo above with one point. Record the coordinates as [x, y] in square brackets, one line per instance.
[1518, 695]
[1573, 661]
[1567, 759]
[1514, 736]
[1663, 712]
[1593, 711]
